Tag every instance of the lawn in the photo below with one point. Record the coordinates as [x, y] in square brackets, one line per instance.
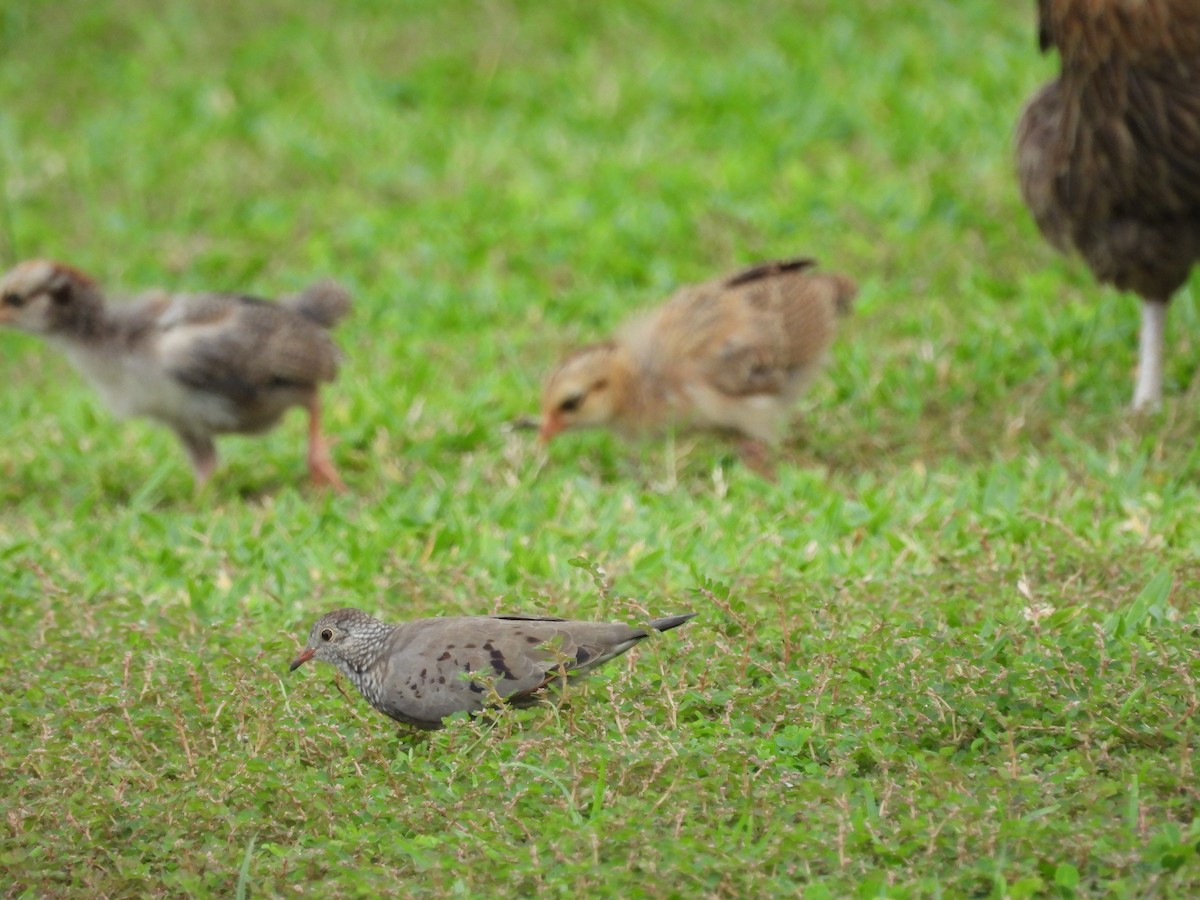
[953, 651]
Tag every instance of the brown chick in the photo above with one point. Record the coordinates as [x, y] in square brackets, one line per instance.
[202, 364]
[1108, 154]
[732, 354]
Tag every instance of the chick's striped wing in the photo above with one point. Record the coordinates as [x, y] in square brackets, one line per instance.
[237, 346]
[753, 332]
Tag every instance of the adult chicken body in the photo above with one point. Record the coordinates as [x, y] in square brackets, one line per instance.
[1108, 153]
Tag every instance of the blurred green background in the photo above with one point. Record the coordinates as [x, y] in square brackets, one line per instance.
[953, 651]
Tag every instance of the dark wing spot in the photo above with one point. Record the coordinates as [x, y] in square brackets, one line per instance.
[582, 655]
[445, 656]
[533, 640]
[469, 646]
[423, 673]
[442, 679]
[501, 666]
[476, 687]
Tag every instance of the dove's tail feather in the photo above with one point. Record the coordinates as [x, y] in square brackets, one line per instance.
[666, 624]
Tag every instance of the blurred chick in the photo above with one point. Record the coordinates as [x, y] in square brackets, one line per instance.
[731, 354]
[202, 364]
[1108, 154]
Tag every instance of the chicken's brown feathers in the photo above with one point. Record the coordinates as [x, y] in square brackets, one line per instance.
[1108, 154]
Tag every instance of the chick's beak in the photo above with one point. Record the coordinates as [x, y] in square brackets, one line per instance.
[552, 424]
[305, 655]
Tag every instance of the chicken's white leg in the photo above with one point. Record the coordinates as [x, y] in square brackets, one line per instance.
[1147, 395]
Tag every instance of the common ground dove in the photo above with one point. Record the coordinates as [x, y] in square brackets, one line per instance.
[201, 364]
[422, 671]
[731, 354]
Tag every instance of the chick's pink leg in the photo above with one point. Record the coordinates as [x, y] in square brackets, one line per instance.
[320, 466]
[202, 453]
[758, 457]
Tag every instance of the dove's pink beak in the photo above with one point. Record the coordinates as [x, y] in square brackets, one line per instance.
[305, 655]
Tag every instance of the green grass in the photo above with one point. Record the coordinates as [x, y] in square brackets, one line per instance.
[954, 651]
